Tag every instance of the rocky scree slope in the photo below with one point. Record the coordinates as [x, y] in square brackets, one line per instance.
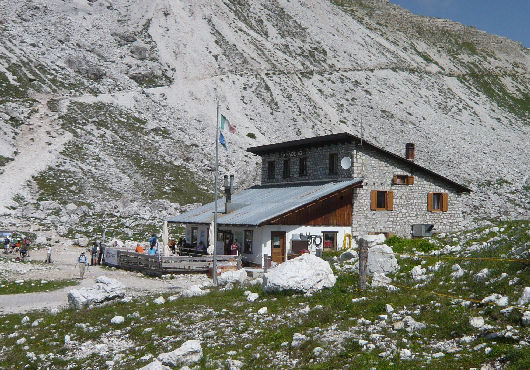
[121, 98]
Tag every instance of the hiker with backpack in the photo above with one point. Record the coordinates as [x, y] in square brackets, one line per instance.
[82, 261]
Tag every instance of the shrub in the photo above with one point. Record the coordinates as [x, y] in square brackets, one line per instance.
[251, 135]
[400, 245]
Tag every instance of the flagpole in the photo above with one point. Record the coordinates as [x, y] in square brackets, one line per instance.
[215, 196]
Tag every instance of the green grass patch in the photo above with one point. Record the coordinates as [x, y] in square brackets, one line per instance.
[32, 286]
[402, 245]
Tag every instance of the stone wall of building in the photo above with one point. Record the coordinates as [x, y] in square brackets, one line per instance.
[317, 164]
[410, 201]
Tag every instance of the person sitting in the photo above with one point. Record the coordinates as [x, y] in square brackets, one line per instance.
[152, 251]
[139, 249]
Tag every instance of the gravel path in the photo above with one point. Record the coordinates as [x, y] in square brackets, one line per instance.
[64, 268]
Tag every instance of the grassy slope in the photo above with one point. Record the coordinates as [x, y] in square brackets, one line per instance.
[225, 322]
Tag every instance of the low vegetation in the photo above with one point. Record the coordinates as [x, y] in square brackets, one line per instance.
[229, 327]
[32, 286]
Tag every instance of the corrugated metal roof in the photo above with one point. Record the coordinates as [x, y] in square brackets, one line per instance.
[258, 204]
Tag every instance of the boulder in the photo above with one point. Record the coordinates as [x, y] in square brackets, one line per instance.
[457, 271]
[476, 322]
[381, 260]
[193, 291]
[481, 275]
[117, 320]
[348, 255]
[262, 311]
[526, 318]
[233, 276]
[307, 273]
[496, 298]
[418, 273]
[380, 280]
[298, 339]
[188, 354]
[525, 298]
[159, 300]
[105, 289]
[252, 297]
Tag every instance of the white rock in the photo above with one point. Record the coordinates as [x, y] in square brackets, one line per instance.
[105, 289]
[25, 320]
[498, 299]
[525, 298]
[412, 325]
[262, 311]
[234, 364]
[457, 271]
[246, 293]
[389, 308]
[117, 320]
[438, 355]
[252, 297]
[307, 273]
[172, 298]
[188, 354]
[298, 339]
[155, 365]
[405, 354]
[193, 291]
[318, 351]
[360, 299]
[66, 339]
[381, 260]
[476, 322]
[232, 277]
[159, 300]
[526, 318]
[481, 275]
[380, 280]
[418, 273]
[21, 341]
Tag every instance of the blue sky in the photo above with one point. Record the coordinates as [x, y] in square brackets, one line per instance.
[508, 18]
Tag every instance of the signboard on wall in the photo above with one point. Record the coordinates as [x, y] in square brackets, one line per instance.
[111, 256]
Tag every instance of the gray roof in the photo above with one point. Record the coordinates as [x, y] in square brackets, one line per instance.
[256, 205]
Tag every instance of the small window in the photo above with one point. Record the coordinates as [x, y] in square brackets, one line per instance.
[302, 167]
[381, 200]
[333, 163]
[286, 168]
[271, 168]
[194, 235]
[248, 242]
[438, 202]
[403, 180]
[330, 240]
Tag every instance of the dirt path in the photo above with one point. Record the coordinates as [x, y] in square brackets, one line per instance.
[63, 267]
[38, 144]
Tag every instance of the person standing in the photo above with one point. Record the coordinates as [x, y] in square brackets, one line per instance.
[101, 253]
[6, 244]
[82, 261]
[49, 254]
[94, 254]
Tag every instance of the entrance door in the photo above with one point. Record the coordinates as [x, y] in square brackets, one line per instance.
[278, 246]
[228, 239]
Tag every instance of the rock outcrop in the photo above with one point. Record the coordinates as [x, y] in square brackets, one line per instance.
[105, 289]
[306, 273]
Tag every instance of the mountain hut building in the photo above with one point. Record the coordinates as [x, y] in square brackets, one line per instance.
[318, 193]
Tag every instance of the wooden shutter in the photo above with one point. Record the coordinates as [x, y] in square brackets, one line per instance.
[394, 179]
[445, 202]
[373, 200]
[389, 200]
[410, 180]
[429, 202]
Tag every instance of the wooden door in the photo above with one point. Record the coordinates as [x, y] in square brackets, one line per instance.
[278, 246]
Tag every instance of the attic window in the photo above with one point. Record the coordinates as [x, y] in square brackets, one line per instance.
[302, 167]
[403, 180]
[286, 168]
[381, 200]
[270, 170]
[333, 163]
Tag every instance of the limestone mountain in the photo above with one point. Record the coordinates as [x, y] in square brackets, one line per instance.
[108, 108]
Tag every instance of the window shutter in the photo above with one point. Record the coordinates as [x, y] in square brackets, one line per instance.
[410, 180]
[445, 202]
[429, 202]
[389, 200]
[394, 179]
[373, 200]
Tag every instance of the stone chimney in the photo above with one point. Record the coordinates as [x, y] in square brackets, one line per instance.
[409, 151]
[228, 191]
